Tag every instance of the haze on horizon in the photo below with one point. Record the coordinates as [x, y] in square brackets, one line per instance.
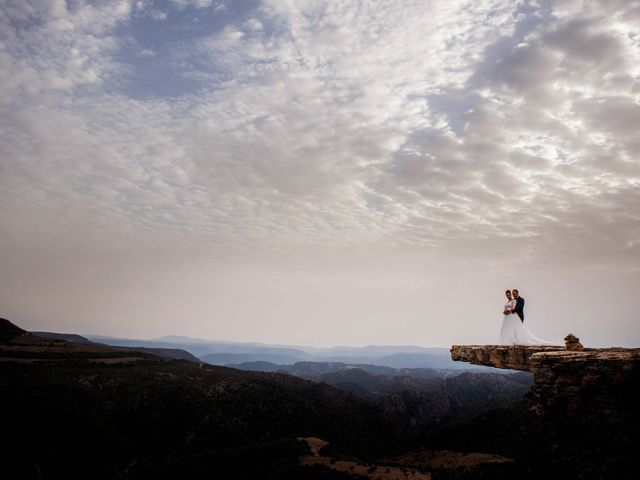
[320, 173]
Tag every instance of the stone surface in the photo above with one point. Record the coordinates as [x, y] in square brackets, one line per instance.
[572, 343]
[512, 357]
[583, 383]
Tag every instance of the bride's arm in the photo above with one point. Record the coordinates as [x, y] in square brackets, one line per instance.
[509, 307]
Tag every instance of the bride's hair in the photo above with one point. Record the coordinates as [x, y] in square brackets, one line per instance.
[507, 292]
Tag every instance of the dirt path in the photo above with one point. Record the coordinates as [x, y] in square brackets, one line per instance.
[374, 472]
[445, 459]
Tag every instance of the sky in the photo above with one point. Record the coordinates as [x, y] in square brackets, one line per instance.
[321, 172]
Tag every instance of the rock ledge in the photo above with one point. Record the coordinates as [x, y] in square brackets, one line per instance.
[592, 381]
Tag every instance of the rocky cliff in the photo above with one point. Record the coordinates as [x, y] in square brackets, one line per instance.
[584, 383]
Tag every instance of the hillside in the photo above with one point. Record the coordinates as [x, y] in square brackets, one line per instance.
[234, 353]
[75, 410]
[423, 397]
[9, 331]
[69, 337]
[429, 402]
[87, 408]
[174, 353]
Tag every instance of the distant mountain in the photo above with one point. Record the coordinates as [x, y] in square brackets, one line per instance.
[229, 358]
[373, 351]
[438, 358]
[70, 337]
[309, 369]
[315, 369]
[174, 353]
[233, 353]
[259, 366]
[179, 339]
[427, 358]
[200, 348]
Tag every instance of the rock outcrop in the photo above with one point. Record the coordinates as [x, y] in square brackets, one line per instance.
[572, 343]
[581, 383]
[512, 357]
[9, 331]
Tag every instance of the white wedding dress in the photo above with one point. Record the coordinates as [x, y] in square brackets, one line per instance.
[513, 331]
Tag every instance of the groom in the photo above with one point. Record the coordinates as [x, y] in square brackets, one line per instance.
[519, 304]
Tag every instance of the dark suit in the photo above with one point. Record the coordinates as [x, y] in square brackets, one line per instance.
[519, 308]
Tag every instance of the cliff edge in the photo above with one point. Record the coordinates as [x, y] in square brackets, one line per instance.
[576, 381]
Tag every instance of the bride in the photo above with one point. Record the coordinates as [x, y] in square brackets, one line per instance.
[513, 331]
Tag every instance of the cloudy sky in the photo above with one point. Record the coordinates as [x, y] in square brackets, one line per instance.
[320, 173]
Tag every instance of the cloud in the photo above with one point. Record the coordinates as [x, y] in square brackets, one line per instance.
[53, 46]
[199, 4]
[158, 15]
[541, 137]
[436, 128]
[234, 169]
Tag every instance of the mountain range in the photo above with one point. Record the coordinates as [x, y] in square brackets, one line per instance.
[232, 353]
[73, 407]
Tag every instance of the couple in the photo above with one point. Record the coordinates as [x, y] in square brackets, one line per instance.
[513, 331]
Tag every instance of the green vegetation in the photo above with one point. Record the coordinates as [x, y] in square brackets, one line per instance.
[158, 415]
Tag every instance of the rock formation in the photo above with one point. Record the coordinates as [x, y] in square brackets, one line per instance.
[572, 343]
[582, 383]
